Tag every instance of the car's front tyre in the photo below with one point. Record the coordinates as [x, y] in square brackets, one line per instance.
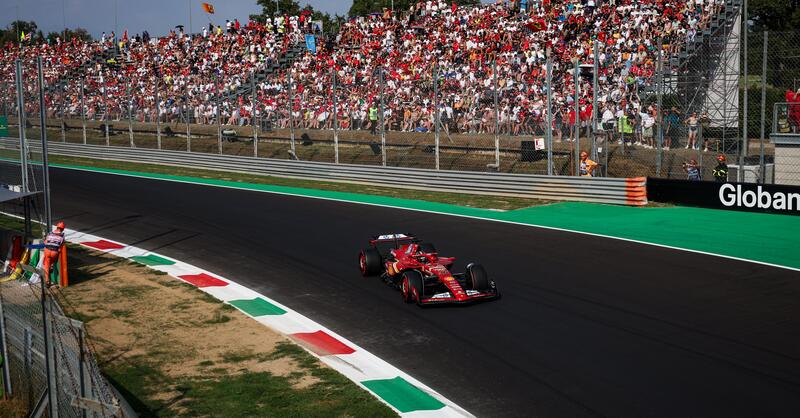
[411, 287]
[478, 279]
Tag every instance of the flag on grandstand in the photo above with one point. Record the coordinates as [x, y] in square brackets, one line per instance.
[536, 25]
[311, 43]
[208, 8]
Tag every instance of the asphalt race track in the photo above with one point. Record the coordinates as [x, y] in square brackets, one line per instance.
[586, 327]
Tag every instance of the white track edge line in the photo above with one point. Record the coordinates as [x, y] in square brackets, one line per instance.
[450, 408]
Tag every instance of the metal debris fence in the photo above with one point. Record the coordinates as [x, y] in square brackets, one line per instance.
[81, 389]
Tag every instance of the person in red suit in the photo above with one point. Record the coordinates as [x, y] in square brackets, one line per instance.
[793, 97]
[53, 243]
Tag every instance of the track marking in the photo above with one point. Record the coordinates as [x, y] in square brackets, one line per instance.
[158, 177]
[404, 394]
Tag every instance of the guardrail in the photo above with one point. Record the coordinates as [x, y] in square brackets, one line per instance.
[631, 191]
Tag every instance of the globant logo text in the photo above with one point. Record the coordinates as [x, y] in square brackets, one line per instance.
[730, 195]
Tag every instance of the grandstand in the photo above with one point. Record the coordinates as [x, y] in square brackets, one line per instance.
[488, 63]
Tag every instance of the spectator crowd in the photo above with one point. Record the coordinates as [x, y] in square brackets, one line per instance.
[464, 50]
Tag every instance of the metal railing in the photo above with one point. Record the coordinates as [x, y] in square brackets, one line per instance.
[587, 189]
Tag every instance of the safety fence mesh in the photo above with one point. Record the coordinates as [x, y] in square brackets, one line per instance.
[671, 107]
[81, 390]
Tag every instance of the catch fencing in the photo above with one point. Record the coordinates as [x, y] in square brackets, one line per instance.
[709, 95]
[28, 340]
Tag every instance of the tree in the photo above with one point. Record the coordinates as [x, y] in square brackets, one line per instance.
[365, 7]
[291, 7]
[13, 31]
[69, 34]
[270, 7]
[774, 15]
[330, 25]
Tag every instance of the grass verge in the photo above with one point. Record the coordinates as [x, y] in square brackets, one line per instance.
[460, 199]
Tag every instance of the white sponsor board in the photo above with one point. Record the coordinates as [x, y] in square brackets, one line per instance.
[744, 196]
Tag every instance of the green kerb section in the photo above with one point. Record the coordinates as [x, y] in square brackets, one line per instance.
[766, 238]
[152, 260]
[257, 307]
[402, 395]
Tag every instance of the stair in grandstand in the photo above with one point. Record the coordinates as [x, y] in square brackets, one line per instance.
[704, 57]
[691, 70]
[293, 52]
[76, 73]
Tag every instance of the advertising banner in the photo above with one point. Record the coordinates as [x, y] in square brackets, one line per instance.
[749, 197]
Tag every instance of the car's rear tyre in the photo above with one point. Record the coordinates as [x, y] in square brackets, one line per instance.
[478, 279]
[411, 287]
[370, 262]
[427, 247]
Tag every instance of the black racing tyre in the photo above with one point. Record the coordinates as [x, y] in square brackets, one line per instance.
[427, 247]
[370, 262]
[411, 287]
[477, 276]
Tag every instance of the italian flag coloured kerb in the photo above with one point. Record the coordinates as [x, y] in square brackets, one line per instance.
[403, 393]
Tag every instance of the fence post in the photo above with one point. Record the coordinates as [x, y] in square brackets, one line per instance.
[548, 131]
[382, 122]
[659, 104]
[761, 167]
[496, 107]
[335, 117]
[83, 109]
[27, 350]
[188, 105]
[105, 102]
[130, 116]
[510, 122]
[50, 371]
[7, 389]
[219, 113]
[81, 365]
[63, 111]
[436, 111]
[595, 88]
[23, 147]
[577, 142]
[496, 114]
[158, 113]
[743, 150]
[254, 88]
[291, 111]
[45, 172]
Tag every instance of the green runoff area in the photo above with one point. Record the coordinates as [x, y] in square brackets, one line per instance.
[764, 238]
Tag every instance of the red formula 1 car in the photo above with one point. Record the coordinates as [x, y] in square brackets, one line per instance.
[424, 278]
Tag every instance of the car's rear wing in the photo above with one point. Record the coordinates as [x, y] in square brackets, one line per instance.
[396, 239]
